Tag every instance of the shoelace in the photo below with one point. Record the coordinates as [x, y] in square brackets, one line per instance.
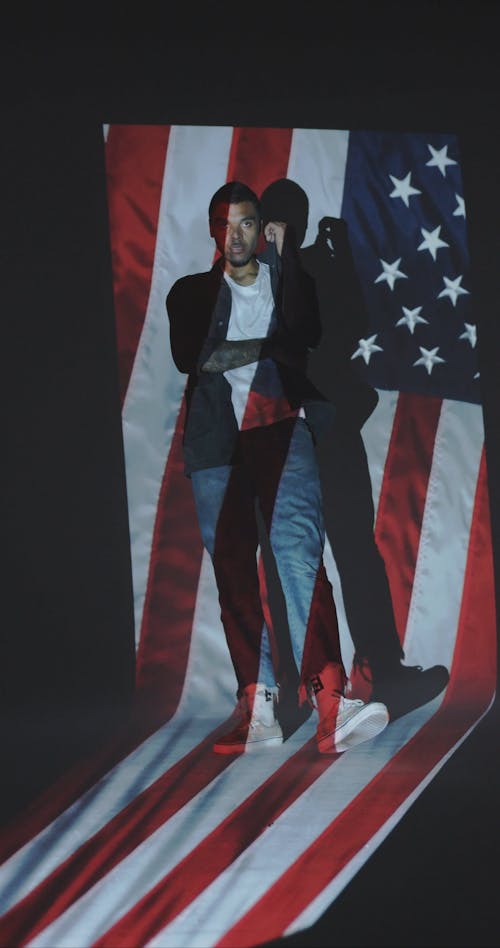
[310, 696]
[246, 715]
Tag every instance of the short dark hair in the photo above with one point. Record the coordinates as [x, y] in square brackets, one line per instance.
[234, 192]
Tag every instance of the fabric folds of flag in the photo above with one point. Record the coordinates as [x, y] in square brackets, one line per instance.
[157, 841]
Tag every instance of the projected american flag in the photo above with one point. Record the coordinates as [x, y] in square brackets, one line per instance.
[156, 840]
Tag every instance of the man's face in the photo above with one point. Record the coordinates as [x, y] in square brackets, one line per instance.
[235, 229]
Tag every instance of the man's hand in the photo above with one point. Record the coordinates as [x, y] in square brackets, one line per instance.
[274, 232]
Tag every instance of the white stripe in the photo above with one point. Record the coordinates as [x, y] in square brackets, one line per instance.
[99, 908]
[31, 864]
[321, 903]
[317, 163]
[195, 167]
[444, 538]
[458, 431]
[376, 437]
[207, 699]
[248, 878]
[377, 432]
[210, 684]
[257, 868]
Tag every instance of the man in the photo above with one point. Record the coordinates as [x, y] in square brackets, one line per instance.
[242, 332]
[379, 672]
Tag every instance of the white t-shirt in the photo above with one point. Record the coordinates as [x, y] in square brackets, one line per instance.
[256, 390]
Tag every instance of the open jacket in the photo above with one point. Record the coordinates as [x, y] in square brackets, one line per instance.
[198, 308]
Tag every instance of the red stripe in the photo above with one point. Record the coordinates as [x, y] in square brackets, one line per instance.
[266, 410]
[474, 667]
[174, 569]
[403, 493]
[473, 680]
[98, 855]
[218, 850]
[256, 156]
[259, 156]
[135, 159]
[358, 823]
[469, 694]
[475, 654]
[477, 611]
[74, 783]
[476, 657]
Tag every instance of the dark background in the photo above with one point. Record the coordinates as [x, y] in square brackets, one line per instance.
[67, 663]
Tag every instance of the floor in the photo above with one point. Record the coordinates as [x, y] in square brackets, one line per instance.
[430, 880]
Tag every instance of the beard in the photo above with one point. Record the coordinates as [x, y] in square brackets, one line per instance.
[239, 261]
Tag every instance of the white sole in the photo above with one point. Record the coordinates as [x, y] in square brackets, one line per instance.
[250, 746]
[363, 726]
[370, 721]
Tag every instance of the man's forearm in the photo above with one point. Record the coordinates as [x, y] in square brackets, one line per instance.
[231, 354]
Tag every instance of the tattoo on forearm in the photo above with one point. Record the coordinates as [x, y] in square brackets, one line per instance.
[230, 354]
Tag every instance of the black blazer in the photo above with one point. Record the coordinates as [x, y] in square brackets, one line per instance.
[198, 308]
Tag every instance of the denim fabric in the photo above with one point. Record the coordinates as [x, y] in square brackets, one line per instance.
[279, 473]
[297, 533]
[228, 528]
[209, 488]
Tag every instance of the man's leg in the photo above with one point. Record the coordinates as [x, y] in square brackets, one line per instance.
[295, 523]
[349, 520]
[226, 515]
[281, 462]
[349, 517]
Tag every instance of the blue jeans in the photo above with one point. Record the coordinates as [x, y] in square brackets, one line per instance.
[276, 474]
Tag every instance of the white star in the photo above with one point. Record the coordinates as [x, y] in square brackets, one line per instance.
[403, 188]
[477, 375]
[470, 334]
[429, 358]
[432, 241]
[452, 289]
[390, 272]
[366, 348]
[411, 318]
[460, 208]
[440, 158]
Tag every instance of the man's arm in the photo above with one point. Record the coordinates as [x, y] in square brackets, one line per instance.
[232, 353]
[300, 326]
[186, 342]
[187, 326]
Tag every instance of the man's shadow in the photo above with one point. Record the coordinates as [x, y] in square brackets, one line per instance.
[343, 467]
